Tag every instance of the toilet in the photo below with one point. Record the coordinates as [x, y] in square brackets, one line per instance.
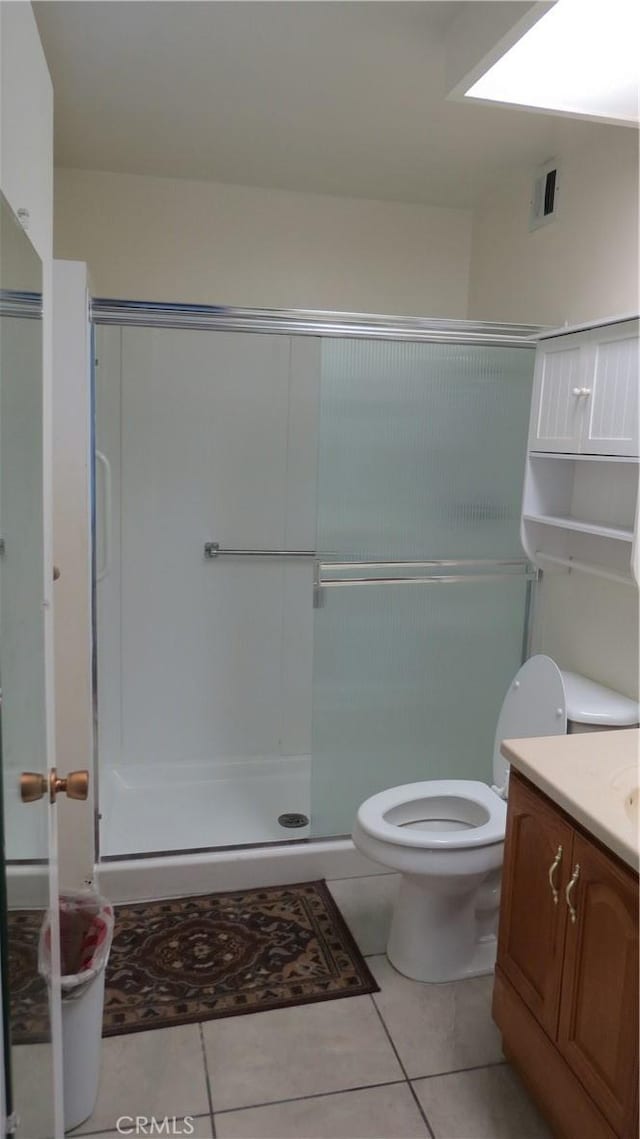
[446, 836]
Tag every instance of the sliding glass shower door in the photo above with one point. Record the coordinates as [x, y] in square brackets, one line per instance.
[206, 458]
[310, 584]
[422, 591]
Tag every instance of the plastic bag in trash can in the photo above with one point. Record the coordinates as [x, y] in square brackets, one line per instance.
[86, 928]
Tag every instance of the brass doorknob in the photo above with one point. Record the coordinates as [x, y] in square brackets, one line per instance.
[33, 785]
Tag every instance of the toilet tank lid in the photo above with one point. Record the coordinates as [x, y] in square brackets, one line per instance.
[591, 703]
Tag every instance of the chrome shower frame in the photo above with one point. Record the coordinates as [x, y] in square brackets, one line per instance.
[317, 323]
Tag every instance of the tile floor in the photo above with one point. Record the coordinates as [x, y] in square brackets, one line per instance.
[409, 1062]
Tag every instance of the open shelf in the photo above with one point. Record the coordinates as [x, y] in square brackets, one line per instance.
[618, 533]
[581, 513]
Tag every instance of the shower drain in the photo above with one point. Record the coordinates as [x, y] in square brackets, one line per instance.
[293, 819]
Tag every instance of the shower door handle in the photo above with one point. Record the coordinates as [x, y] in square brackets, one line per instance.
[103, 461]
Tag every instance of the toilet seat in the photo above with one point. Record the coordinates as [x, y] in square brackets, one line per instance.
[394, 815]
[534, 705]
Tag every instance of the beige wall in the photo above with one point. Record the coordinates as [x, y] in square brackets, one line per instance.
[210, 243]
[164, 239]
[590, 626]
[583, 265]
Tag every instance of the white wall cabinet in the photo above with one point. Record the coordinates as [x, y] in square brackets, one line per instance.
[580, 506]
[585, 398]
[558, 411]
[611, 426]
[26, 126]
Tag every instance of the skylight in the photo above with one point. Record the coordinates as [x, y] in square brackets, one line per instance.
[581, 58]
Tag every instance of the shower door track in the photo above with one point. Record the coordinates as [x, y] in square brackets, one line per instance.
[309, 322]
[13, 302]
[274, 845]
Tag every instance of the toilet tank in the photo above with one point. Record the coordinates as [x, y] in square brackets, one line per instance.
[593, 708]
[544, 700]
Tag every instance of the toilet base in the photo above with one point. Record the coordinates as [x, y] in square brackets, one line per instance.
[444, 935]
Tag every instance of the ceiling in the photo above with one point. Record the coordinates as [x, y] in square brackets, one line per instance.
[340, 98]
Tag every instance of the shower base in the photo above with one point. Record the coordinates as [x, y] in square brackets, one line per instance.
[209, 871]
[164, 808]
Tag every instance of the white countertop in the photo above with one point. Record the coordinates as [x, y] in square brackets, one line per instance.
[593, 776]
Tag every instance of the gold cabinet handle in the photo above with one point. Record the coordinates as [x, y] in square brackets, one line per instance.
[552, 870]
[34, 786]
[570, 886]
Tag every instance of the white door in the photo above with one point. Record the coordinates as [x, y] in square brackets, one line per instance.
[611, 426]
[31, 1012]
[558, 397]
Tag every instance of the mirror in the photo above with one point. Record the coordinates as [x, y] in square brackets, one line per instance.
[24, 881]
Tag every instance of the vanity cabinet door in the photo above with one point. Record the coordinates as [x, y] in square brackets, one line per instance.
[533, 915]
[598, 1028]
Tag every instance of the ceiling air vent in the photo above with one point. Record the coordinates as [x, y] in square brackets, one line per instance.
[543, 206]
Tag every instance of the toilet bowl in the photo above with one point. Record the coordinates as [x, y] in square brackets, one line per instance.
[446, 836]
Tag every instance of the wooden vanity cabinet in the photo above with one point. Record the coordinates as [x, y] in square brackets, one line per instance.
[532, 923]
[598, 1029]
[566, 987]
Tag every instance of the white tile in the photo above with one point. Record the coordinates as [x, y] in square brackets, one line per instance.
[437, 1028]
[487, 1103]
[364, 1114]
[32, 1079]
[366, 905]
[202, 1128]
[150, 1073]
[305, 1050]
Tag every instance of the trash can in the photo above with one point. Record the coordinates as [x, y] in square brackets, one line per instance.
[86, 930]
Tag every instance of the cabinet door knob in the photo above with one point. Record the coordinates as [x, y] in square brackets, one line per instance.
[581, 391]
[569, 889]
[552, 870]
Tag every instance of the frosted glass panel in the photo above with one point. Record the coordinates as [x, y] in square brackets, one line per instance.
[421, 456]
[422, 449]
[408, 684]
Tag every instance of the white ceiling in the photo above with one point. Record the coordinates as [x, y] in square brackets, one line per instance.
[340, 98]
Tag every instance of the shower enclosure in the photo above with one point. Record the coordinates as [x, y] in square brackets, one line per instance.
[309, 583]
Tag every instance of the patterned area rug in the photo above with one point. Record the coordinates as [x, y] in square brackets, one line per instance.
[28, 991]
[199, 958]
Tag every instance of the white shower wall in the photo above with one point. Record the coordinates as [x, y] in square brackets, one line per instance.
[204, 667]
